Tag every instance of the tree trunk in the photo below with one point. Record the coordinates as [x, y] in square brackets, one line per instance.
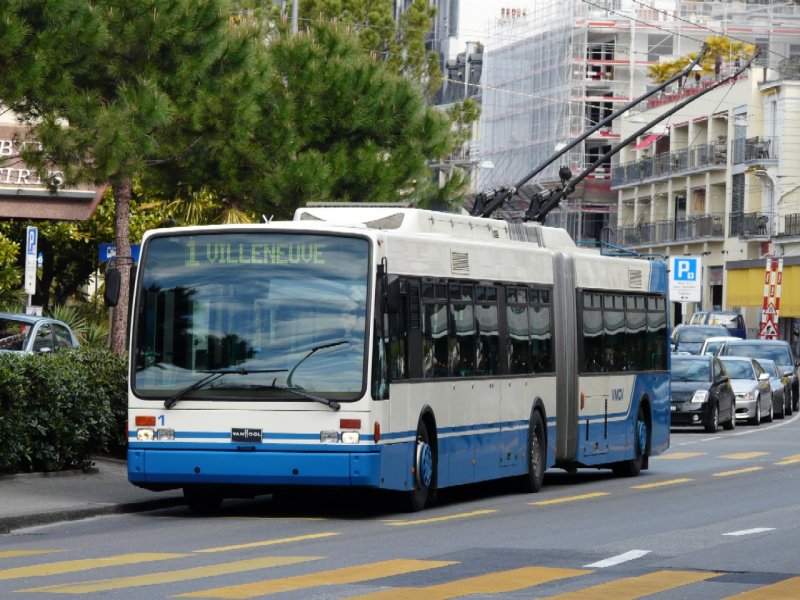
[123, 261]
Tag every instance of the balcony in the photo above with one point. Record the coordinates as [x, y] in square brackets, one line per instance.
[750, 225]
[668, 164]
[791, 225]
[755, 150]
[689, 229]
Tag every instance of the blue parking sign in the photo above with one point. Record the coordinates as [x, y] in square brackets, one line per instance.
[685, 279]
[686, 269]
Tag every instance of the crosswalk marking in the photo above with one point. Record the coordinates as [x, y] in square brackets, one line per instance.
[104, 585]
[341, 576]
[491, 583]
[788, 589]
[737, 471]
[743, 455]
[71, 566]
[466, 515]
[18, 553]
[631, 588]
[678, 455]
[569, 499]
[647, 486]
[789, 460]
[298, 538]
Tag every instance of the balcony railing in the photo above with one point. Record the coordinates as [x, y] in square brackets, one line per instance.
[671, 163]
[672, 230]
[755, 150]
[751, 224]
[791, 224]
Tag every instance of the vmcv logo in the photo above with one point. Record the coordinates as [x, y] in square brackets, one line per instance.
[618, 394]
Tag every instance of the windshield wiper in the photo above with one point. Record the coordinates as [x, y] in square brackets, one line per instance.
[212, 376]
[310, 352]
[297, 391]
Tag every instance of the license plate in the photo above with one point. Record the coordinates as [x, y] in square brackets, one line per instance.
[673, 407]
[245, 434]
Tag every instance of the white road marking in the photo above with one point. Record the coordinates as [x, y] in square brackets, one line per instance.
[750, 531]
[615, 560]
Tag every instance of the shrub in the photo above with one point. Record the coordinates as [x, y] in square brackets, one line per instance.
[60, 409]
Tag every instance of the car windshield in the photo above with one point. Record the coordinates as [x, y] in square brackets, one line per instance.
[739, 369]
[695, 335]
[690, 370]
[275, 309]
[724, 320]
[13, 334]
[778, 352]
[770, 367]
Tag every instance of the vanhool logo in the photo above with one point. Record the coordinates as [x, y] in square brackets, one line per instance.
[245, 435]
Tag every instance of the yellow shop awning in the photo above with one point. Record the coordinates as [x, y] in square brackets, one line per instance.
[745, 287]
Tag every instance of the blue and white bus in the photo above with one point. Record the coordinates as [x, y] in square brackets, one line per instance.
[390, 348]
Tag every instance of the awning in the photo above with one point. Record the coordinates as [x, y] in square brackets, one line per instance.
[646, 141]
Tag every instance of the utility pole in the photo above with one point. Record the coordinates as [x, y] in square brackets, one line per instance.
[294, 16]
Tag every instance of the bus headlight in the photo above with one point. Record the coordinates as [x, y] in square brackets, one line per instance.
[165, 434]
[350, 437]
[329, 437]
[145, 434]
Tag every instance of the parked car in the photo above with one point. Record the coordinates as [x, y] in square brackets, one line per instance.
[689, 338]
[731, 320]
[777, 350]
[701, 393]
[781, 394]
[751, 386]
[713, 344]
[34, 335]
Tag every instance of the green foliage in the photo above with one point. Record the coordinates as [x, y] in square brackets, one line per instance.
[720, 49]
[10, 272]
[60, 409]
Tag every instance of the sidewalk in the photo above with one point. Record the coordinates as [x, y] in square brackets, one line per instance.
[41, 498]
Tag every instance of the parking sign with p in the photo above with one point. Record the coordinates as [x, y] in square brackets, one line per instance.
[685, 279]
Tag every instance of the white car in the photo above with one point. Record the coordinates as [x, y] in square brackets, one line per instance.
[781, 393]
[713, 344]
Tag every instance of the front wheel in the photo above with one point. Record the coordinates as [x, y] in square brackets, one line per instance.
[769, 417]
[537, 455]
[713, 422]
[756, 420]
[424, 470]
[633, 466]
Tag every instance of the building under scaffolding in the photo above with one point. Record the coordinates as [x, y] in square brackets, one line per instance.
[554, 68]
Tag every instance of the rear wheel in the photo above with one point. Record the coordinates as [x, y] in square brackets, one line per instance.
[537, 455]
[713, 422]
[731, 423]
[633, 466]
[782, 413]
[756, 420]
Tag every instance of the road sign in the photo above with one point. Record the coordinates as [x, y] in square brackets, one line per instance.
[685, 279]
[772, 299]
[31, 254]
[109, 251]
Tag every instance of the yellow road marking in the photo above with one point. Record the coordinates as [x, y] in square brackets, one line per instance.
[737, 471]
[466, 515]
[788, 589]
[569, 499]
[342, 576]
[678, 455]
[299, 538]
[631, 588]
[71, 566]
[648, 486]
[491, 583]
[789, 460]
[744, 455]
[16, 553]
[118, 583]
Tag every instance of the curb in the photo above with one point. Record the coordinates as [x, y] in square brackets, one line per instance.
[9, 524]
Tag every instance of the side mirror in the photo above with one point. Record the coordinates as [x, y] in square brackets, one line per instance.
[111, 294]
[763, 376]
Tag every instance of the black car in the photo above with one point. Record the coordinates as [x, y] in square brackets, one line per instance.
[776, 350]
[689, 338]
[701, 393]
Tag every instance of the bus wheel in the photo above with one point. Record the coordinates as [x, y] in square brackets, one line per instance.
[632, 467]
[202, 500]
[424, 468]
[537, 455]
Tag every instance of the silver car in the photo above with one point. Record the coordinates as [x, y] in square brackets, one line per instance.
[781, 393]
[751, 387]
[28, 334]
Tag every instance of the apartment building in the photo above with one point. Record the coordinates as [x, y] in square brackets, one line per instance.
[719, 180]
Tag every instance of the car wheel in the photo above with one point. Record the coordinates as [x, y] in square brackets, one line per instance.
[730, 424]
[768, 419]
[789, 409]
[782, 414]
[756, 420]
[713, 422]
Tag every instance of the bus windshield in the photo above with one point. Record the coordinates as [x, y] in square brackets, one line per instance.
[275, 310]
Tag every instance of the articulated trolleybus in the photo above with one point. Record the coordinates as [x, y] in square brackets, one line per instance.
[390, 348]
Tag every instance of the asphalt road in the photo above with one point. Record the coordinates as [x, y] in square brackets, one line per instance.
[716, 516]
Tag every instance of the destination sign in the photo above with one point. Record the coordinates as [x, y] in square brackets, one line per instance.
[255, 253]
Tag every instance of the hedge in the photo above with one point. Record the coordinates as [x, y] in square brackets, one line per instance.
[59, 410]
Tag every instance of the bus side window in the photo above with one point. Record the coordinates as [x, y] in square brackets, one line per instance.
[398, 336]
[486, 315]
[541, 336]
[592, 333]
[435, 348]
